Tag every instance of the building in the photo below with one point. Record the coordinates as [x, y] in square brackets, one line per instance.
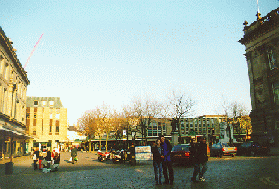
[206, 125]
[261, 39]
[13, 86]
[46, 122]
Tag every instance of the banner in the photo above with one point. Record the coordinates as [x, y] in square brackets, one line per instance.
[143, 153]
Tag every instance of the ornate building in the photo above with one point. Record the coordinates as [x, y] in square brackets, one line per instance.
[261, 39]
[46, 122]
[13, 86]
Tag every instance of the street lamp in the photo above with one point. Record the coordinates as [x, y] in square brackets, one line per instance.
[132, 150]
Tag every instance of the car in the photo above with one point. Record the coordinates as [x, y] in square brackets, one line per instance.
[216, 150]
[229, 149]
[251, 148]
[181, 154]
[221, 149]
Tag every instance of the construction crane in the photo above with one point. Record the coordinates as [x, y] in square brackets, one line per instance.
[32, 51]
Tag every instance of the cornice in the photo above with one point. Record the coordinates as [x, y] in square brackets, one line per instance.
[260, 27]
[6, 43]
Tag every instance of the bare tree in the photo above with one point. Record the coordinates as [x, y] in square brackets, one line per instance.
[234, 111]
[180, 105]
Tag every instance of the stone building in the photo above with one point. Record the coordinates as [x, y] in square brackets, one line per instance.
[46, 122]
[261, 39]
[13, 86]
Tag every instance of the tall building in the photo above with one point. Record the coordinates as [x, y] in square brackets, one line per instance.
[46, 122]
[261, 39]
[13, 86]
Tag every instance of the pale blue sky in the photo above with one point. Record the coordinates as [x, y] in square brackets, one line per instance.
[110, 51]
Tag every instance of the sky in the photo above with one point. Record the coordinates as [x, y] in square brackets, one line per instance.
[95, 52]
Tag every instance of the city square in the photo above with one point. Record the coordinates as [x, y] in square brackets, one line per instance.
[88, 172]
[139, 94]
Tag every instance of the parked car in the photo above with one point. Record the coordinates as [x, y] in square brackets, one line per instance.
[252, 148]
[216, 150]
[229, 150]
[221, 149]
[181, 154]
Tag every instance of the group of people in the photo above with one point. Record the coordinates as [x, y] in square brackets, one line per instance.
[162, 160]
[51, 161]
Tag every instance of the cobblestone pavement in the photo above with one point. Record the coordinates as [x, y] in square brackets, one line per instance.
[226, 172]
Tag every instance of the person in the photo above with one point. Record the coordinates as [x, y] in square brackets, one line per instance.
[167, 164]
[56, 160]
[199, 151]
[73, 154]
[35, 158]
[157, 161]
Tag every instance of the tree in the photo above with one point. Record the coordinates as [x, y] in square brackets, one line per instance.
[142, 113]
[179, 106]
[234, 111]
[107, 118]
[88, 124]
[245, 123]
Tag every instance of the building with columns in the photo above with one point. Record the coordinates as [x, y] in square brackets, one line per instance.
[261, 39]
[13, 86]
[46, 122]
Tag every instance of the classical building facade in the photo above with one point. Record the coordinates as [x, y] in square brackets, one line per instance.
[261, 39]
[46, 122]
[13, 85]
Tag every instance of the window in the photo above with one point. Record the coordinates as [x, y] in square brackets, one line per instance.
[51, 103]
[50, 115]
[36, 102]
[275, 89]
[34, 132]
[34, 122]
[271, 58]
[44, 103]
[57, 116]
[57, 129]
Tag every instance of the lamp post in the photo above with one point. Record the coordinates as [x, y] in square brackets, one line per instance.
[133, 154]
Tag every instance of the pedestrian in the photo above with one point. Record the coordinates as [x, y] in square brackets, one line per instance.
[157, 161]
[48, 158]
[167, 163]
[74, 154]
[199, 151]
[56, 160]
[35, 158]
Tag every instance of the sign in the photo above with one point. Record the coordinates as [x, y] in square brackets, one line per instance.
[143, 153]
[124, 132]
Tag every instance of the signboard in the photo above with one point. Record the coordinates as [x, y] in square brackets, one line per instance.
[143, 153]
[124, 132]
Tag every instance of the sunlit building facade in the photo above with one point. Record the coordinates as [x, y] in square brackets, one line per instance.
[46, 122]
[13, 86]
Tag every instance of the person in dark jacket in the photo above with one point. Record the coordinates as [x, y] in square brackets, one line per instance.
[199, 151]
[167, 164]
[157, 161]
[73, 154]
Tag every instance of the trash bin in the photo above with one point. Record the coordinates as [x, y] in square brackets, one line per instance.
[9, 168]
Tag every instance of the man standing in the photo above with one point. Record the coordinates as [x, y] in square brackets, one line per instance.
[199, 151]
[73, 154]
[167, 164]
